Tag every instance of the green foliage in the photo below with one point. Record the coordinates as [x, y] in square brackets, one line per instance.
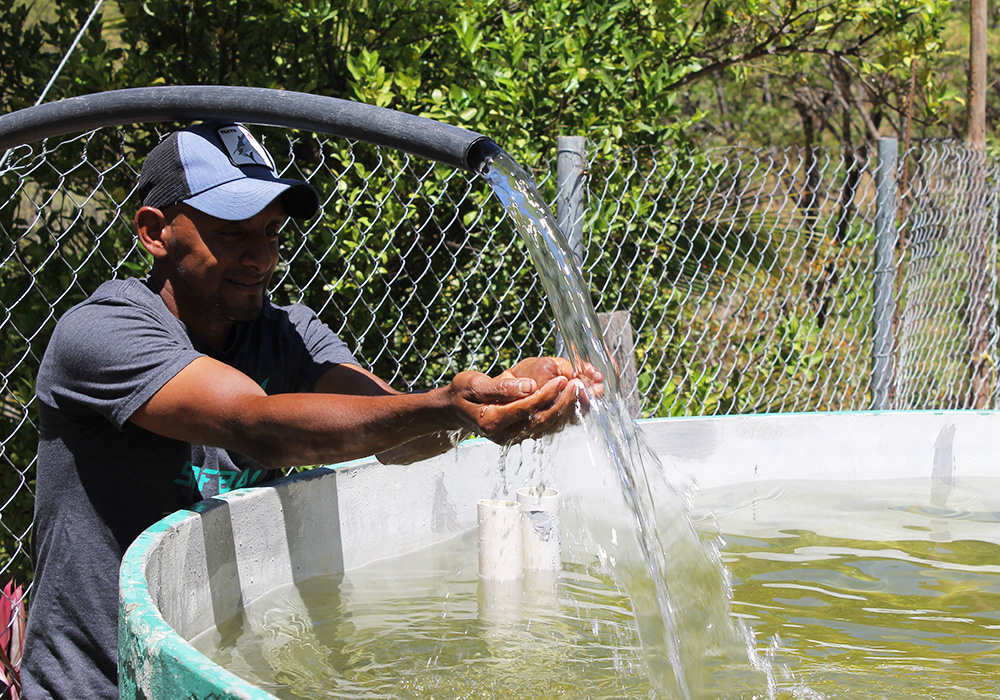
[520, 73]
[20, 44]
[648, 71]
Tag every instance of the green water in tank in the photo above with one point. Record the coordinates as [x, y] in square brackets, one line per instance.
[884, 590]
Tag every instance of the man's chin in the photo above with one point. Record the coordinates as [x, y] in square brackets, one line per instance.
[242, 314]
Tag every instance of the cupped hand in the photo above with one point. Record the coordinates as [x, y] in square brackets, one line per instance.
[536, 397]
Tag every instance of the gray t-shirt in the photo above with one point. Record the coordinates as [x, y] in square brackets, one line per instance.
[102, 480]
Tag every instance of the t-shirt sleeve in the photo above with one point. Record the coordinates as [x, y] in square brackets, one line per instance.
[324, 347]
[110, 358]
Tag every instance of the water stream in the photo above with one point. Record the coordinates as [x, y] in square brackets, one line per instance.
[677, 585]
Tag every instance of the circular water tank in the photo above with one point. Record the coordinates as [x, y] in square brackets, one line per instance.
[197, 568]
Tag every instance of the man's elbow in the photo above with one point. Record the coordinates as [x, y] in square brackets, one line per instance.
[271, 452]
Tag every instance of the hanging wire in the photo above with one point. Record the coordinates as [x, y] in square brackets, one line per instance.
[62, 64]
[93, 13]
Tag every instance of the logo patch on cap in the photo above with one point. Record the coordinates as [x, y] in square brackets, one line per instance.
[243, 149]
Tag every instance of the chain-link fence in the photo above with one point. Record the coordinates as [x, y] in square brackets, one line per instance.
[794, 280]
[751, 277]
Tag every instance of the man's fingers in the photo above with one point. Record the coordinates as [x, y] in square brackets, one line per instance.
[499, 415]
[504, 389]
[564, 367]
[561, 412]
[545, 411]
[516, 388]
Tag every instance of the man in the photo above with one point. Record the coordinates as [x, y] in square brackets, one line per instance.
[156, 393]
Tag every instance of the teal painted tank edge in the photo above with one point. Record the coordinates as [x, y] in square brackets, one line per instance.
[146, 643]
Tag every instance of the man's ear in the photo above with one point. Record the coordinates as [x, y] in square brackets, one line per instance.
[149, 225]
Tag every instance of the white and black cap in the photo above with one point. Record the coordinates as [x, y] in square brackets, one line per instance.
[220, 169]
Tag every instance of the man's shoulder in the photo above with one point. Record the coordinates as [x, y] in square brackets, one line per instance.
[115, 309]
[114, 296]
[121, 291]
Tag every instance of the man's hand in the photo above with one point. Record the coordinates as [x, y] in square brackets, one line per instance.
[542, 369]
[536, 397]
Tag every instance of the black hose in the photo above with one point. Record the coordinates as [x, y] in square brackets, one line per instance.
[295, 110]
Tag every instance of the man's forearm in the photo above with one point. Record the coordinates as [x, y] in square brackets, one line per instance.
[292, 429]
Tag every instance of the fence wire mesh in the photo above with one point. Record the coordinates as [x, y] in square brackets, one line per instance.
[748, 276]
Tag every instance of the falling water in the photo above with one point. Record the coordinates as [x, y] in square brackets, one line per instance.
[678, 586]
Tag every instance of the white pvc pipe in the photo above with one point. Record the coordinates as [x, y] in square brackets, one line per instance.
[540, 529]
[500, 550]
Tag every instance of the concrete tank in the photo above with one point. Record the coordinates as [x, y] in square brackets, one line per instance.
[197, 568]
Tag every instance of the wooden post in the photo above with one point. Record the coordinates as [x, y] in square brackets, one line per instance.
[982, 273]
[976, 133]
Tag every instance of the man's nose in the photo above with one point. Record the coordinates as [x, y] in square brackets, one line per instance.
[259, 252]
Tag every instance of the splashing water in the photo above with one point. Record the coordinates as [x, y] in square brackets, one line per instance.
[691, 645]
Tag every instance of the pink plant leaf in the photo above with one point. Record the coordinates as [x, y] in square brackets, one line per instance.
[6, 617]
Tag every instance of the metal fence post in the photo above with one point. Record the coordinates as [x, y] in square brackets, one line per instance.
[885, 267]
[571, 162]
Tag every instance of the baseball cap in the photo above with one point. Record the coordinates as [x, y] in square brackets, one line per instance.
[222, 170]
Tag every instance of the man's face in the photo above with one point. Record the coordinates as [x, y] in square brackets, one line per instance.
[221, 268]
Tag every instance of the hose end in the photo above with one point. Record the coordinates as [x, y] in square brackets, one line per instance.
[480, 153]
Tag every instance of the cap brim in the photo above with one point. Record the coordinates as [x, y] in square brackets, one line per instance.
[247, 197]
